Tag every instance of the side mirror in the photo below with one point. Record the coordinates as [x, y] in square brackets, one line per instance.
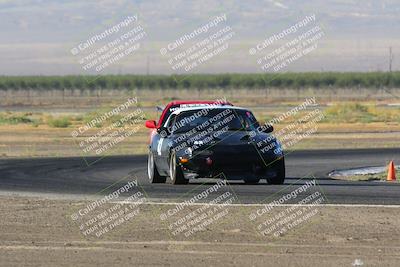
[267, 128]
[151, 124]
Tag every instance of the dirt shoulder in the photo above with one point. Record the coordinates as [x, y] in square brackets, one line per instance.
[40, 232]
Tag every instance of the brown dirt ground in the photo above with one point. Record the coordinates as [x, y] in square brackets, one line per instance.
[40, 232]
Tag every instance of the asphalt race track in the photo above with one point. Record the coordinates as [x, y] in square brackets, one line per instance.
[72, 177]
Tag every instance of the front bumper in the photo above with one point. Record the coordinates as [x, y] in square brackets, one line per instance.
[233, 163]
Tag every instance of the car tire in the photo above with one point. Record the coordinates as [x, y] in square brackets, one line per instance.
[279, 166]
[251, 181]
[152, 172]
[175, 171]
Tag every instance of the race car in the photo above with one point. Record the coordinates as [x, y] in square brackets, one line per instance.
[215, 142]
[174, 105]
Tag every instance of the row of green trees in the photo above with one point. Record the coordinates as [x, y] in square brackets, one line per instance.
[200, 81]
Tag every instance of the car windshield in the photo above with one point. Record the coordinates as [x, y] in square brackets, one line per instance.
[230, 119]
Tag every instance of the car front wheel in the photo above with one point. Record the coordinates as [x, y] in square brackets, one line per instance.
[154, 176]
[175, 171]
[279, 167]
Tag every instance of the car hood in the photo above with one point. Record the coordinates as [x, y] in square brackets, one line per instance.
[227, 138]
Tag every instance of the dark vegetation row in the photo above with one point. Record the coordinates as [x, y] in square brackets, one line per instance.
[205, 81]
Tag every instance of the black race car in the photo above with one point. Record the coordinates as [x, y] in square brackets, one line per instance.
[215, 142]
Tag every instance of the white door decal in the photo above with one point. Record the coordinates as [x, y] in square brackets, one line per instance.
[159, 146]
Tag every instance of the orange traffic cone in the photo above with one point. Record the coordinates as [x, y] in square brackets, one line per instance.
[391, 172]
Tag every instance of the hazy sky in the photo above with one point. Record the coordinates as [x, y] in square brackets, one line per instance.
[38, 35]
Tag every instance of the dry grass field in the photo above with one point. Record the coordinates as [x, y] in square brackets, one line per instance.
[41, 123]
